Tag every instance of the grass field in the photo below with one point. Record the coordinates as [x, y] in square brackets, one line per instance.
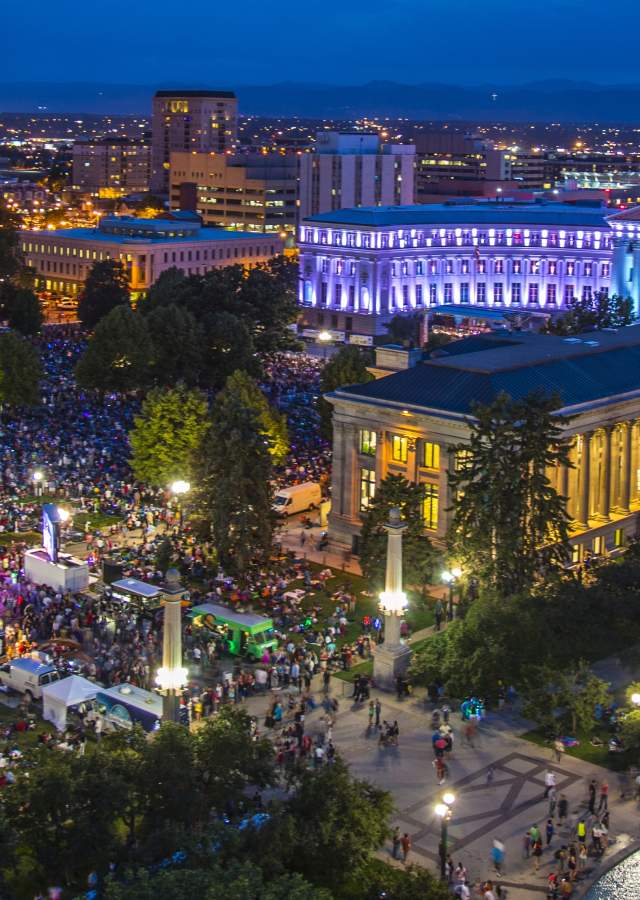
[598, 756]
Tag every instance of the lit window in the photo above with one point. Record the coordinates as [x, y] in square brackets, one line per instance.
[430, 506]
[368, 440]
[367, 488]
[399, 448]
[464, 458]
[619, 537]
[431, 455]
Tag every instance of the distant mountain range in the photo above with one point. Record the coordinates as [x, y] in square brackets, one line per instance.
[543, 101]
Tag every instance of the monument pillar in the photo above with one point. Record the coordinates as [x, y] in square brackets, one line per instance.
[172, 675]
[392, 658]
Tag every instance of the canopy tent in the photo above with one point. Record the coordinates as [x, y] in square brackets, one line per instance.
[58, 697]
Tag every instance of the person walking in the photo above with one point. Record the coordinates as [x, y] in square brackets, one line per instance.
[497, 856]
[372, 712]
[526, 845]
[604, 796]
[537, 853]
[549, 831]
[558, 749]
[406, 846]
[592, 796]
[553, 799]
[581, 831]
[549, 782]
[378, 712]
[395, 842]
[563, 809]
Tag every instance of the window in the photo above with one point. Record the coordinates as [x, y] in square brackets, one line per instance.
[619, 537]
[448, 292]
[481, 292]
[433, 267]
[516, 293]
[399, 448]
[606, 270]
[430, 506]
[431, 455]
[576, 553]
[571, 268]
[499, 267]
[418, 295]
[482, 266]
[464, 458]
[498, 292]
[433, 293]
[368, 442]
[367, 488]
[419, 268]
[551, 294]
[553, 267]
[465, 267]
[586, 292]
[405, 294]
[533, 293]
[448, 267]
[517, 266]
[464, 292]
[588, 270]
[569, 293]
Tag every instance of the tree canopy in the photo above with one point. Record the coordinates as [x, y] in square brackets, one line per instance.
[596, 312]
[168, 434]
[119, 353]
[20, 371]
[272, 421]
[509, 523]
[418, 556]
[105, 289]
[22, 309]
[347, 366]
[177, 346]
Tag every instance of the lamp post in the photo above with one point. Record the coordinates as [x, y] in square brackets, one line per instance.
[178, 488]
[37, 478]
[450, 577]
[325, 338]
[171, 675]
[392, 659]
[444, 811]
[635, 699]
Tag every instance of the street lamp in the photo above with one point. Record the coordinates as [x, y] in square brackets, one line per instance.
[37, 482]
[324, 337]
[450, 576]
[63, 514]
[635, 699]
[179, 488]
[444, 811]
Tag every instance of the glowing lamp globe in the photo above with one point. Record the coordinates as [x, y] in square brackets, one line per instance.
[171, 679]
[180, 487]
[635, 699]
[441, 810]
[393, 602]
[449, 798]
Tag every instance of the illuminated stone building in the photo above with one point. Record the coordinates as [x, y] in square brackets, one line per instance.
[406, 423]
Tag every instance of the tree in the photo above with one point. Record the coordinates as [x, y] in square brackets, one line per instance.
[418, 556]
[10, 256]
[268, 292]
[22, 309]
[273, 422]
[167, 435]
[405, 329]
[509, 523]
[378, 879]
[20, 371]
[228, 347]
[564, 700]
[106, 288]
[118, 355]
[177, 346]
[596, 312]
[165, 291]
[236, 493]
[347, 366]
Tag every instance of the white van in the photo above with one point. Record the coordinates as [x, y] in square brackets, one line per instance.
[28, 676]
[297, 498]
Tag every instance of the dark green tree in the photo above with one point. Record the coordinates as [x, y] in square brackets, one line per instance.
[236, 492]
[166, 290]
[510, 525]
[228, 347]
[22, 309]
[596, 312]
[10, 255]
[405, 329]
[106, 288]
[20, 371]
[119, 353]
[418, 556]
[347, 366]
[167, 436]
[268, 292]
[273, 422]
[378, 879]
[177, 346]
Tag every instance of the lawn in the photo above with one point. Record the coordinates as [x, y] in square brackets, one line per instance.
[597, 756]
[33, 538]
[366, 667]
[96, 520]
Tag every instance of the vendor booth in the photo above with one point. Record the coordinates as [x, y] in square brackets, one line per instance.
[126, 705]
[58, 698]
[241, 634]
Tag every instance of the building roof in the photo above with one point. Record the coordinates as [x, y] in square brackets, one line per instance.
[501, 213]
[137, 587]
[94, 235]
[249, 620]
[593, 367]
[229, 95]
[626, 215]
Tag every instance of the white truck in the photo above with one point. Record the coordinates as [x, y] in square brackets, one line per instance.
[28, 676]
[297, 498]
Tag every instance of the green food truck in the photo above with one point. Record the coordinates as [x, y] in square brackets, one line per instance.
[244, 634]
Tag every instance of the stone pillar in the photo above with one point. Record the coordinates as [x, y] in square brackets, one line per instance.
[172, 676]
[350, 508]
[337, 469]
[625, 487]
[392, 658]
[604, 494]
[584, 482]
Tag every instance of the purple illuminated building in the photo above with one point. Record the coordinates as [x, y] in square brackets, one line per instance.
[359, 267]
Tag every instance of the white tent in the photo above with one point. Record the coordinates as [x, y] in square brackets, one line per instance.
[59, 696]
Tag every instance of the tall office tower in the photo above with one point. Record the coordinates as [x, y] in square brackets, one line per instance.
[204, 121]
[111, 167]
[354, 169]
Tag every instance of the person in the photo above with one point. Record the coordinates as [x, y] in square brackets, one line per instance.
[395, 840]
[549, 782]
[406, 846]
[535, 834]
[491, 771]
[582, 858]
[563, 809]
[553, 795]
[460, 874]
[526, 845]
[372, 712]
[604, 796]
[378, 712]
[438, 611]
[537, 852]
[497, 856]
[562, 856]
[549, 831]
[581, 831]
[558, 749]
[592, 796]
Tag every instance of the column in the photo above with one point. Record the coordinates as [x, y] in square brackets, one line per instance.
[604, 496]
[625, 487]
[351, 509]
[337, 469]
[584, 481]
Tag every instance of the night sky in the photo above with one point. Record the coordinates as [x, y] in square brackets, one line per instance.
[333, 41]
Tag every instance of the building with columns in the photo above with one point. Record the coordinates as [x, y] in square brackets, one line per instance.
[407, 423]
[359, 267]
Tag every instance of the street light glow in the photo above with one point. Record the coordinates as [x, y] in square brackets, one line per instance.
[449, 798]
[37, 476]
[447, 576]
[324, 336]
[63, 514]
[635, 698]
[456, 571]
[393, 601]
[180, 487]
[441, 810]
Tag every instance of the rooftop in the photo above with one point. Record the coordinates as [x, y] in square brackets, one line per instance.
[592, 367]
[587, 214]
[229, 95]
[130, 230]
